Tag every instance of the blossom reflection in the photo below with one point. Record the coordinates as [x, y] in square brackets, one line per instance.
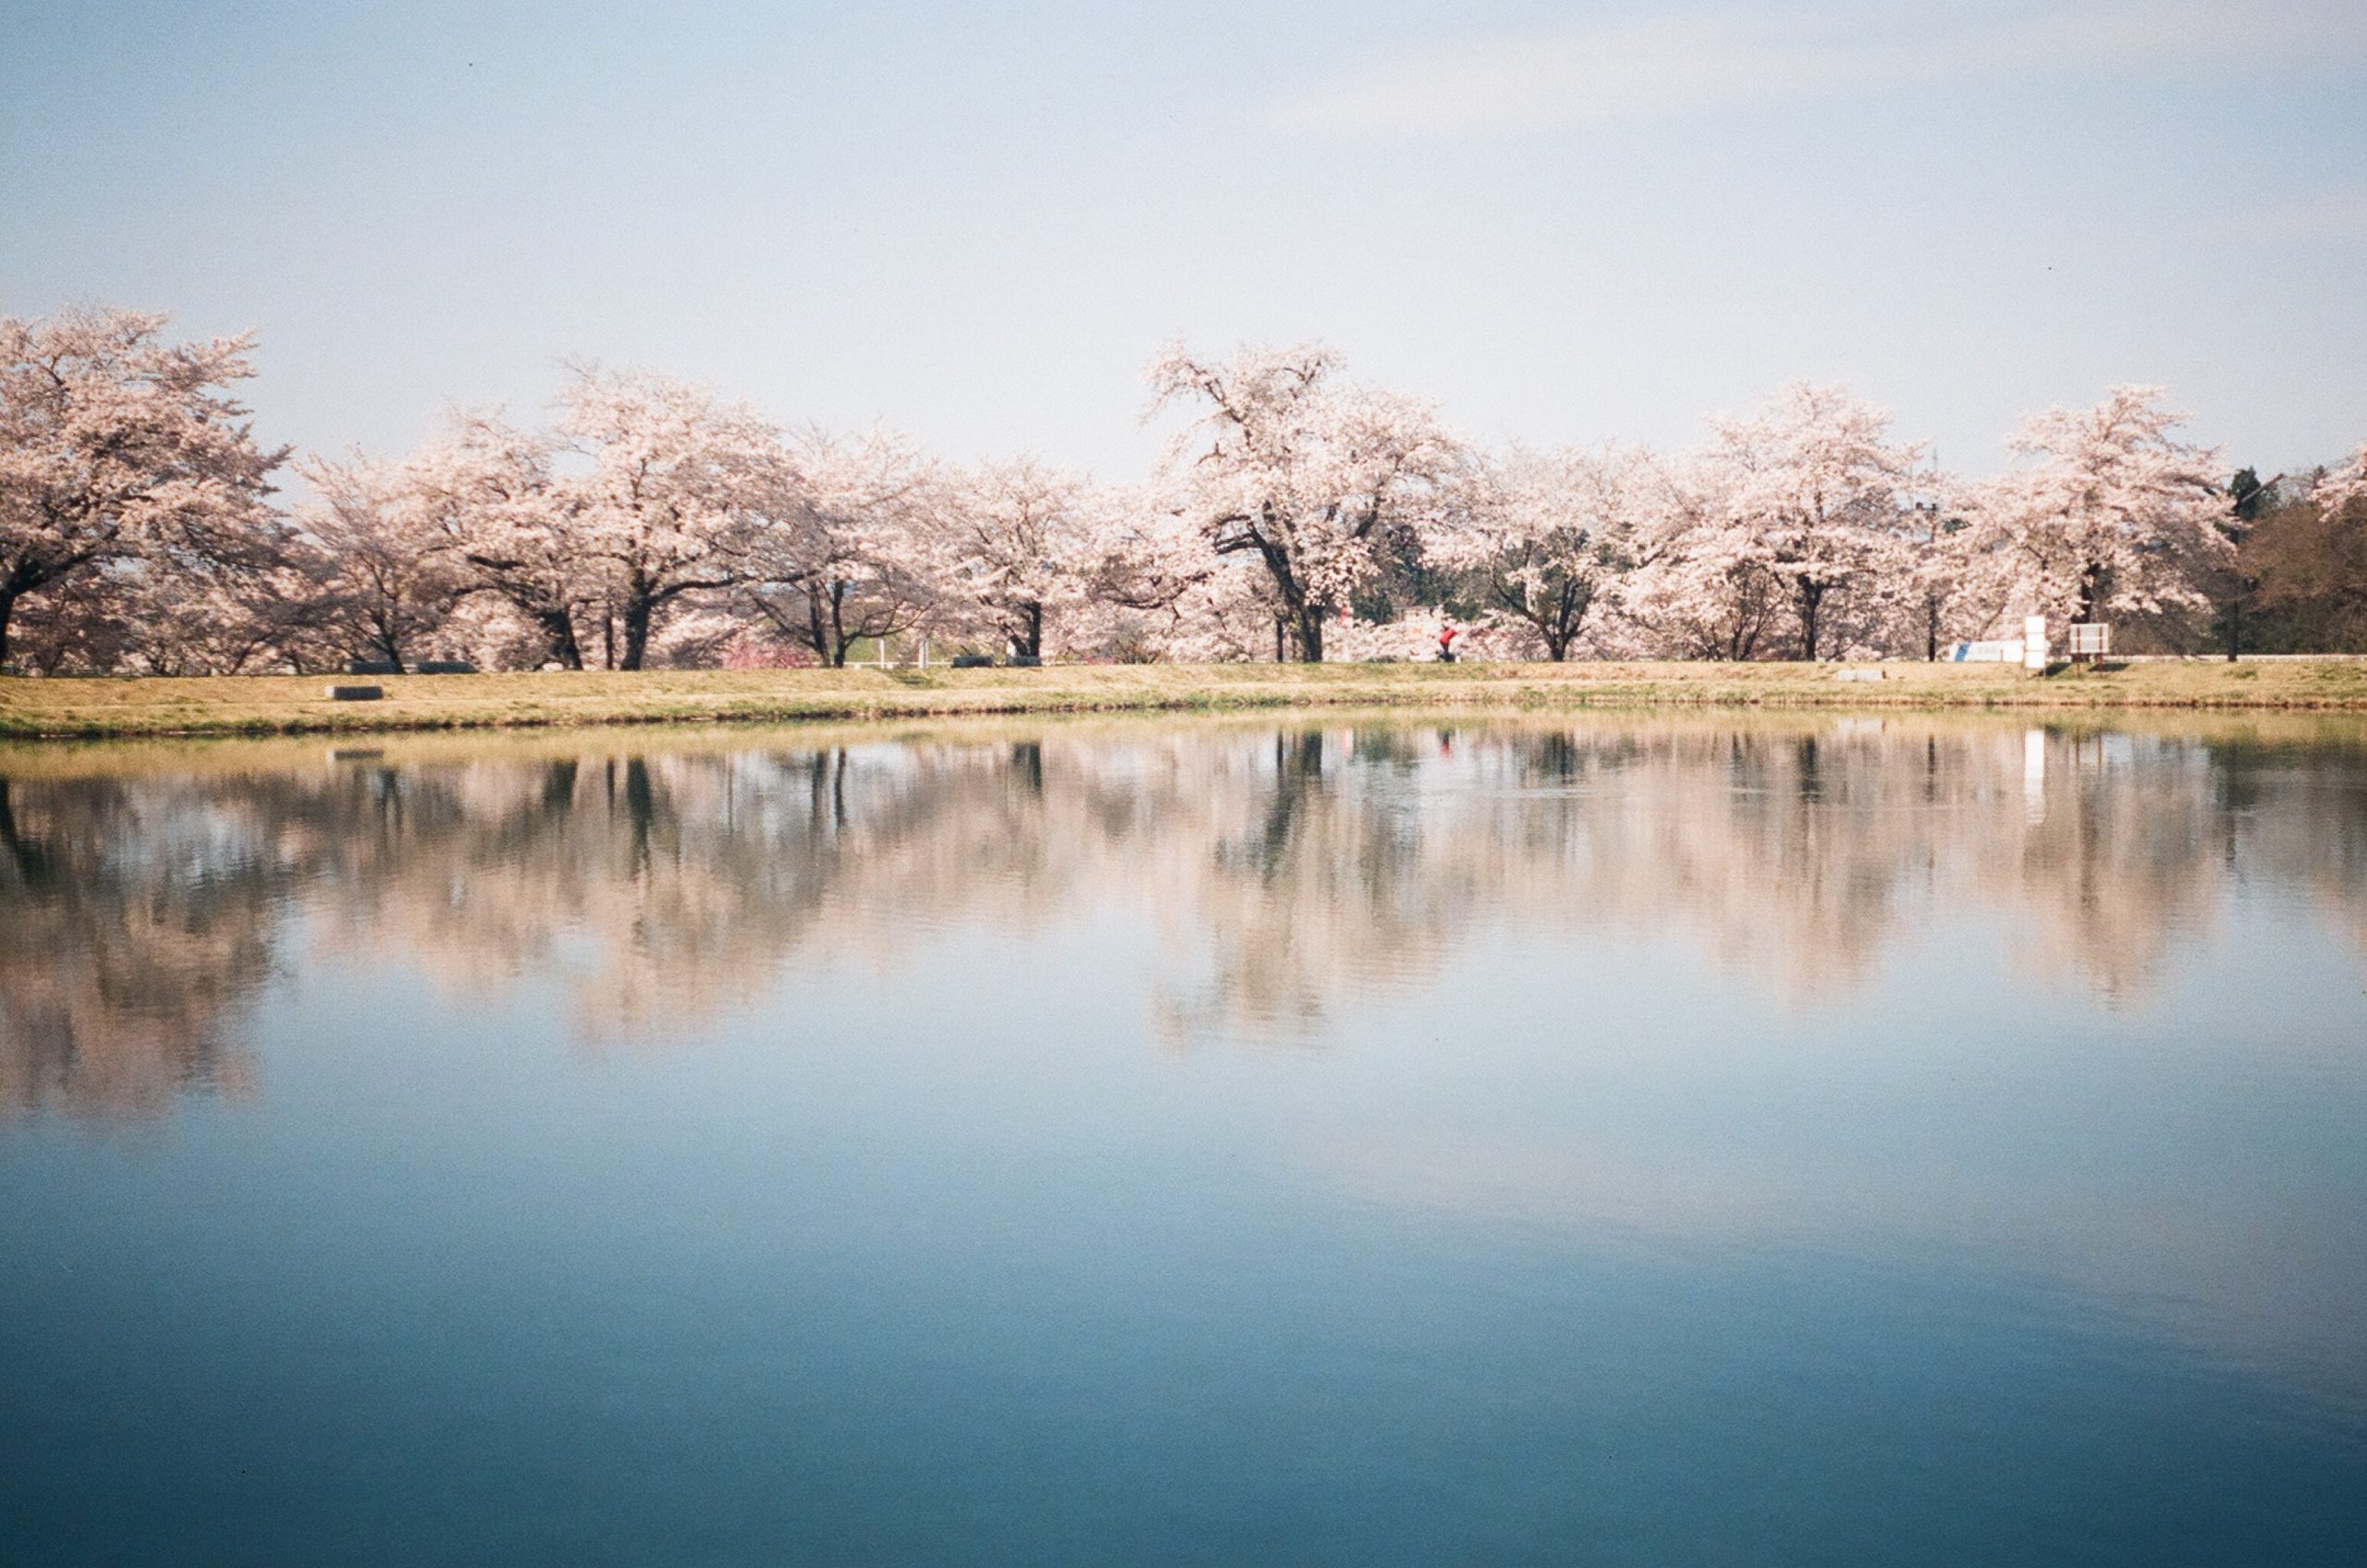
[1286, 867]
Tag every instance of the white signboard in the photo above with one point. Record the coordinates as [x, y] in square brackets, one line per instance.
[2034, 642]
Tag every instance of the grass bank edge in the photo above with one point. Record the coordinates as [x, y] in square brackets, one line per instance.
[118, 707]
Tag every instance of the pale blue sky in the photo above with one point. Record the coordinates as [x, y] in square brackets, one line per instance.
[977, 223]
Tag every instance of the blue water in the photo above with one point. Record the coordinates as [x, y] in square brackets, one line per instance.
[1589, 1141]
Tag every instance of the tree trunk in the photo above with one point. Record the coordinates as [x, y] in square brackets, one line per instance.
[818, 637]
[2234, 626]
[1310, 634]
[8, 609]
[1558, 636]
[1811, 602]
[385, 643]
[841, 637]
[1295, 613]
[637, 611]
[1570, 606]
[1032, 643]
[559, 631]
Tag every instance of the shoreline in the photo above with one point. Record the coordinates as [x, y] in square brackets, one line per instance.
[74, 708]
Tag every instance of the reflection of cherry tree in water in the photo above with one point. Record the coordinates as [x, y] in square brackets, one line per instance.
[1284, 870]
[135, 930]
[1801, 853]
[1316, 882]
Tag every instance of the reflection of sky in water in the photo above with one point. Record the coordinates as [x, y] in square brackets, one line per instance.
[1609, 1140]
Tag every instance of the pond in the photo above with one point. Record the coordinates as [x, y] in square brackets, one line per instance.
[1615, 1139]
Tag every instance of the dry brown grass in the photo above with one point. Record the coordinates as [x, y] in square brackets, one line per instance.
[288, 705]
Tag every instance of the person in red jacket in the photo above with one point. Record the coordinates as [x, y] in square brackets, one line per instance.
[1447, 636]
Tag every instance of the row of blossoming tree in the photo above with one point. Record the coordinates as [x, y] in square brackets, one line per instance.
[1295, 514]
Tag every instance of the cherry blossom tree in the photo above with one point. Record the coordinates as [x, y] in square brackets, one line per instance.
[385, 587]
[211, 616]
[652, 519]
[1287, 465]
[1957, 581]
[1697, 587]
[1549, 533]
[1810, 489]
[1145, 555]
[1022, 540]
[490, 633]
[661, 479]
[638, 498]
[81, 628]
[2343, 483]
[116, 446]
[489, 497]
[248, 608]
[1147, 587]
[848, 543]
[1228, 617]
[2116, 516]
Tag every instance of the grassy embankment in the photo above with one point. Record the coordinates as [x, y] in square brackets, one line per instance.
[290, 704]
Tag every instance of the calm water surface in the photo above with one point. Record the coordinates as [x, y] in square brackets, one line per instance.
[1702, 1140]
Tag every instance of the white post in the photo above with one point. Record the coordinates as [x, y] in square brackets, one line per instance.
[2034, 643]
[2034, 777]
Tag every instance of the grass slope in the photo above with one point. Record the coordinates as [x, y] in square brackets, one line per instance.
[291, 704]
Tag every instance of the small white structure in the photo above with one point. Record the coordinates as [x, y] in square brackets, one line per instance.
[2029, 650]
[2090, 640]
